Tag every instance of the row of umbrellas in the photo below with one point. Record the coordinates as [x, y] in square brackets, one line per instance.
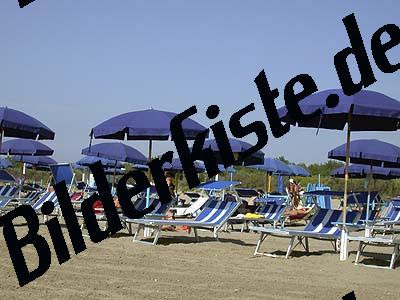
[364, 111]
[27, 129]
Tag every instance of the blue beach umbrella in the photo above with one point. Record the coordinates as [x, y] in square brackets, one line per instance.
[25, 147]
[370, 152]
[145, 125]
[237, 146]
[36, 160]
[273, 166]
[117, 152]
[363, 111]
[299, 171]
[362, 171]
[88, 160]
[14, 123]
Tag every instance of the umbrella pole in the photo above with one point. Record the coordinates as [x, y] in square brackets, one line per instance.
[367, 230]
[115, 170]
[1, 137]
[265, 182]
[177, 182]
[269, 183]
[147, 231]
[343, 241]
[149, 158]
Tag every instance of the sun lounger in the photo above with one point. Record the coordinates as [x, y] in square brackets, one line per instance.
[270, 213]
[386, 241]
[6, 195]
[321, 226]
[29, 199]
[8, 191]
[48, 196]
[213, 216]
[190, 210]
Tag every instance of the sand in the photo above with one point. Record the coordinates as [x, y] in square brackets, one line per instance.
[180, 268]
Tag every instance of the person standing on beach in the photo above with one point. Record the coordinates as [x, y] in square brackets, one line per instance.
[293, 189]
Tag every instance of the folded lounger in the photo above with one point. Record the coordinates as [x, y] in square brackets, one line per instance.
[213, 216]
[383, 241]
[320, 227]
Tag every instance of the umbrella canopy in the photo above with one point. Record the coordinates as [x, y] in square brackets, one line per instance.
[369, 152]
[229, 169]
[177, 166]
[370, 111]
[274, 166]
[14, 123]
[299, 171]
[362, 171]
[116, 152]
[43, 161]
[238, 146]
[88, 160]
[4, 163]
[25, 147]
[6, 177]
[364, 111]
[147, 124]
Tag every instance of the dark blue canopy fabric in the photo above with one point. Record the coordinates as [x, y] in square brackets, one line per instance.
[62, 172]
[362, 171]
[25, 147]
[115, 151]
[6, 177]
[88, 160]
[4, 163]
[147, 124]
[369, 152]
[237, 146]
[35, 160]
[299, 171]
[372, 111]
[177, 166]
[18, 124]
[217, 185]
[274, 166]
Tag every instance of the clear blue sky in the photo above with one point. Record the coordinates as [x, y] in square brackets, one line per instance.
[73, 64]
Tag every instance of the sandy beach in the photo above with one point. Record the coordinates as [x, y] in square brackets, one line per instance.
[180, 268]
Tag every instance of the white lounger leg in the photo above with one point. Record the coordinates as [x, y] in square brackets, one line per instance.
[291, 247]
[155, 240]
[360, 247]
[260, 240]
[395, 255]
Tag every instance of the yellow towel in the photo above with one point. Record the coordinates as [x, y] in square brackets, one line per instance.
[252, 216]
